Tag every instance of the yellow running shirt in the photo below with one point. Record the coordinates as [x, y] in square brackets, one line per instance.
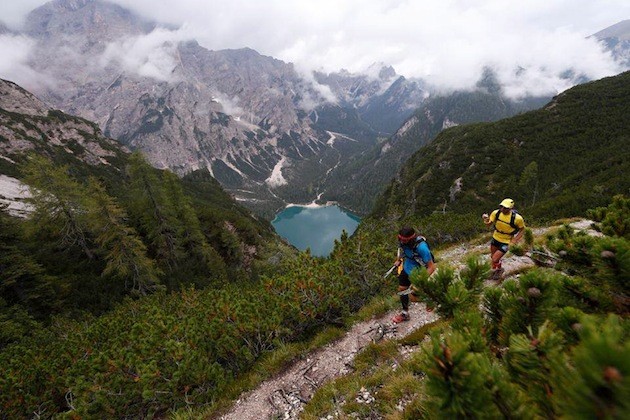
[502, 230]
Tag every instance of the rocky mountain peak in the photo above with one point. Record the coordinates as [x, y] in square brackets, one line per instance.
[616, 38]
[387, 72]
[620, 31]
[27, 124]
[15, 99]
[380, 71]
[95, 19]
[489, 81]
[240, 114]
[71, 5]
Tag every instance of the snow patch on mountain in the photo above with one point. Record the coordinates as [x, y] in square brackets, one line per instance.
[331, 140]
[12, 193]
[334, 136]
[276, 178]
[448, 123]
[227, 163]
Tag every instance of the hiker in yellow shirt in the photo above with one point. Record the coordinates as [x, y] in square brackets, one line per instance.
[509, 227]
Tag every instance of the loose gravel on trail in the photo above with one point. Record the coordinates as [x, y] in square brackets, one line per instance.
[285, 395]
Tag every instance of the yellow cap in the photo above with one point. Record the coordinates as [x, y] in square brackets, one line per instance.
[508, 203]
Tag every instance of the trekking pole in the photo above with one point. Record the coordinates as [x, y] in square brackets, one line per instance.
[398, 262]
[390, 271]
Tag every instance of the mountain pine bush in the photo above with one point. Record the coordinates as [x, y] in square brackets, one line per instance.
[447, 291]
[596, 381]
[615, 219]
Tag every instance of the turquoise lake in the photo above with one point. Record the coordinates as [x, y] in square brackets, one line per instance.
[314, 227]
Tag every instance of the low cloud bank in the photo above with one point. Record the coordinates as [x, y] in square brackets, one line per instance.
[153, 55]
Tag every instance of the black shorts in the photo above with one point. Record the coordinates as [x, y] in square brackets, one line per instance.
[403, 279]
[502, 246]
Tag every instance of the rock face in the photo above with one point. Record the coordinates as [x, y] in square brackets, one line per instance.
[616, 38]
[12, 195]
[15, 99]
[234, 112]
[27, 124]
[381, 97]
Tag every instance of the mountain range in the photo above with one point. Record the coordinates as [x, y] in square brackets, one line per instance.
[235, 112]
[267, 132]
[617, 40]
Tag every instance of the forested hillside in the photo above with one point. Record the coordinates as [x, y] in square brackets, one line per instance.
[358, 183]
[557, 161]
[105, 224]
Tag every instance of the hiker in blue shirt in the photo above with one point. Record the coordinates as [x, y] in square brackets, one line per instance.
[413, 253]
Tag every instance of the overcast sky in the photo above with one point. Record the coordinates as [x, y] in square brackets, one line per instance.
[446, 42]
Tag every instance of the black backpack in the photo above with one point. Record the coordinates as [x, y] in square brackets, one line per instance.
[512, 222]
[416, 256]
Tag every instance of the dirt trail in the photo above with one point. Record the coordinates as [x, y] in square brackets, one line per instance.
[285, 395]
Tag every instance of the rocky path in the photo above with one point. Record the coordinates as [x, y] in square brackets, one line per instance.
[285, 395]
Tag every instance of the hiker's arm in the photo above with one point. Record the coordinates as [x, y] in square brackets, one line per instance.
[486, 219]
[518, 235]
[430, 267]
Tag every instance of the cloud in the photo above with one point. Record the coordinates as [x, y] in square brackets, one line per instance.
[153, 55]
[446, 42]
[315, 94]
[14, 54]
[12, 13]
[230, 106]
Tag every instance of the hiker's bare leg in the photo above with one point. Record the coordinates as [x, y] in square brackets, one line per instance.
[403, 284]
[495, 257]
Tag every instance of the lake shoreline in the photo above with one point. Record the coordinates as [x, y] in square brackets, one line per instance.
[314, 226]
[314, 205]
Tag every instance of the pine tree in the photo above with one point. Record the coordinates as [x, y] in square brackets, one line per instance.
[528, 182]
[526, 304]
[456, 379]
[448, 291]
[124, 252]
[205, 259]
[27, 293]
[530, 361]
[154, 212]
[89, 217]
[23, 280]
[615, 218]
[58, 202]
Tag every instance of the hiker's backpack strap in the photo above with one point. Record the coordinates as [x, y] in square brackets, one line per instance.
[416, 255]
[512, 222]
[496, 213]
